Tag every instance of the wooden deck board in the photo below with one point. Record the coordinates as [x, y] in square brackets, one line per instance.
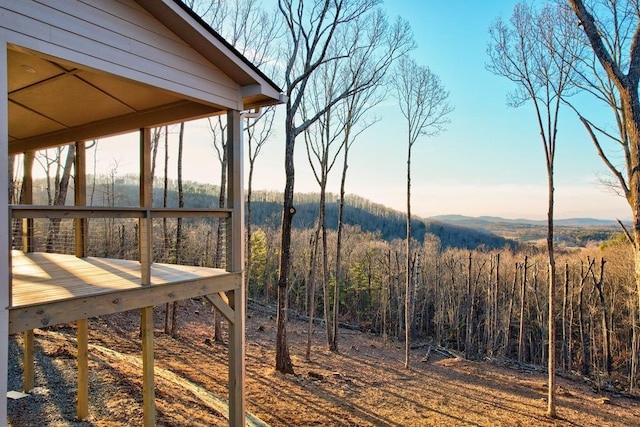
[56, 288]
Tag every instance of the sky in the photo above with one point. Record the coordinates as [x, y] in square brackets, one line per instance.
[489, 161]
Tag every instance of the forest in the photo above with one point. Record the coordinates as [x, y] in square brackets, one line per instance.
[486, 300]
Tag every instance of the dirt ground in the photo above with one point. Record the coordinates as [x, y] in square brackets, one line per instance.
[365, 385]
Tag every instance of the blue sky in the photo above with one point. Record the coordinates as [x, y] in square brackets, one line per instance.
[490, 160]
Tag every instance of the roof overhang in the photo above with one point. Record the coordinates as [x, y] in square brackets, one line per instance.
[54, 101]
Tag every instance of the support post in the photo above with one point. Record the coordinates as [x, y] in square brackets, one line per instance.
[80, 197]
[27, 199]
[235, 263]
[28, 364]
[28, 361]
[148, 394]
[5, 233]
[146, 183]
[83, 369]
[80, 229]
[145, 247]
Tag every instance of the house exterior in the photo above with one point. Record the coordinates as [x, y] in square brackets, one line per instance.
[75, 70]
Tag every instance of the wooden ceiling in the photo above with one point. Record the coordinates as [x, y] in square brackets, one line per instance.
[52, 102]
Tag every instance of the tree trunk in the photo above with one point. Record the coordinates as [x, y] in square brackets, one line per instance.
[62, 187]
[551, 395]
[523, 296]
[333, 346]
[495, 306]
[407, 305]
[325, 267]
[633, 371]
[311, 291]
[174, 317]
[247, 268]
[507, 329]
[220, 235]
[165, 231]
[468, 333]
[283, 359]
[606, 327]
[565, 332]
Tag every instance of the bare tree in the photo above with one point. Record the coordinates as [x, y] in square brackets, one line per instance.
[258, 131]
[218, 133]
[57, 190]
[423, 103]
[381, 44]
[612, 75]
[310, 32]
[253, 32]
[179, 232]
[536, 52]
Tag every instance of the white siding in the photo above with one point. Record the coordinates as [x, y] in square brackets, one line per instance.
[118, 37]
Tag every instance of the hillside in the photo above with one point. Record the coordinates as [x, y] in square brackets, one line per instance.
[266, 211]
[365, 385]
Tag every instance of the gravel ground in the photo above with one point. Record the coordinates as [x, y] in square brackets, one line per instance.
[52, 405]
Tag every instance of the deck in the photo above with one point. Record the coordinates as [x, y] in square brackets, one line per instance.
[48, 289]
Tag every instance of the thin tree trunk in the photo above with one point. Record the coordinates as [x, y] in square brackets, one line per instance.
[495, 306]
[62, 186]
[584, 325]
[311, 291]
[283, 359]
[523, 295]
[551, 395]
[407, 306]
[606, 327]
[174, 317]
[513, 294]
[565, 332]
[165, 231]
[633, 371]
[218, 263]
[468, 333]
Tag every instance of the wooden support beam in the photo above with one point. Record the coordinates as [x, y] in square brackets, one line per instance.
[80, 196]
[148, 395]
[223, 306]
[83, 369]
[28, 373]
[146, 182]
[27, 199]
[235, 263]
[80, 231]
[29, 366]
[146, 257]
[164, 114]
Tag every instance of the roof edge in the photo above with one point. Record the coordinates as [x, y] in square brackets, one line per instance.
[228, 45]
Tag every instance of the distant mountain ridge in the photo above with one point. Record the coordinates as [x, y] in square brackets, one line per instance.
[569, 222]
[573, 232]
